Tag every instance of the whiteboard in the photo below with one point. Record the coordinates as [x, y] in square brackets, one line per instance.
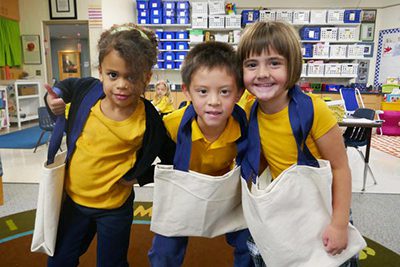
[388, 57]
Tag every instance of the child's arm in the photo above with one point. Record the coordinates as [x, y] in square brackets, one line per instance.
[332, 148]
[54, 102]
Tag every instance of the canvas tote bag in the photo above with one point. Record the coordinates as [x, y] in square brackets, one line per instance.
[187, 203]
[52, 178]
[50, 195]
[286, 217]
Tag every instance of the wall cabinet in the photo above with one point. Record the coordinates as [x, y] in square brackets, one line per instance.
[23, 100]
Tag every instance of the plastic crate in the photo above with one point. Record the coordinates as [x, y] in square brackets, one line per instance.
[169, 12]
[355, 51]
[216, 21]
[267, 15]
[160, 34]
[160, 56]
[199, 22]
[159, 65]
[143, 13]
[304, 70]
[347, 34]
[169, 20]
[183, 13]
[216, 7]
[199, 8]
[180, 55]
[310, 33]
[181, 45]
[301, 16]
[307, 51]
[250, 16]
[178, 65]
[182, 35]
[349, 69]
[329, 34]
[168, 35]
[168, 45]
[142, 4]
[169, 65]
[156, 12]
[315, 69]
[169, 56]
[233, 21]
[196, 36]
[321, 50]
[333, 69]
[335, 16]
[318, 16]
[338, 51]
[352, 16]
[182, 5]
[182, 20]
[169, 5]
[317, 87]
[155, 4]
[156, 19]
[284, 15]
[143, 20]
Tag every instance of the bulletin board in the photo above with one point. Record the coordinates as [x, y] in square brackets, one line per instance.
[388, 56]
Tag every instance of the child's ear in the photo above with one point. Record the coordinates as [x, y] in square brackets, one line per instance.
[185, 91]
[100, 76]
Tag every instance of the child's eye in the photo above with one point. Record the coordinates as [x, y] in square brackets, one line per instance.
[250, 65]
[112, 75]
[225, 92]
[202, 91]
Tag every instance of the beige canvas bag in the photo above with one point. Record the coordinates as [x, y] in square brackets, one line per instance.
[195, 204]
[286, 217]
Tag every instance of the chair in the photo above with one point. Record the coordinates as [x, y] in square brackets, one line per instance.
[352, 100]
[46, 123]
[358, 137]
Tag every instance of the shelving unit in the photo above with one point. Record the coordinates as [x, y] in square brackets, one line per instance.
[23, 100]
[4, 118]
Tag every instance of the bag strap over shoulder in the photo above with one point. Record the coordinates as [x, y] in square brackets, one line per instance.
[184, 138]
[83, 112]
[301, 115]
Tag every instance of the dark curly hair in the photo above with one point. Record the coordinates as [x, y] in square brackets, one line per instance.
[136, 45]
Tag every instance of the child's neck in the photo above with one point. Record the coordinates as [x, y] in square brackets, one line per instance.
[211, 133]
[274, 106]
[114, 112]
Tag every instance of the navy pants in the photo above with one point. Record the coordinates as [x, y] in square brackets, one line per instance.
[170, 251]
[79, 224]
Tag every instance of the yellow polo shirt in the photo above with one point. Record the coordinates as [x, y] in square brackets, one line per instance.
[212, 158]
[164, 105]
[105, 151]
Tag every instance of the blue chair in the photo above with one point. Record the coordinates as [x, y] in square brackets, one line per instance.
[46, 123]
[352, 100]
[358, 137]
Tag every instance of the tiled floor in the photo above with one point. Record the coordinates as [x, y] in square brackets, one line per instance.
[375, 215]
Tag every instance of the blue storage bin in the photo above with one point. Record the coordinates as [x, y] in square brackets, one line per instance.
[169, 56]
[182, 20]
[142, 4]
[156, 19]
[159, 65]
[180, 55]
[182, 35]
[352, 16]
[308, 50]
[310, 33]
[155, 4]
[168, 45]
[169, 12]
[143, 13]
[178, 65]
[169, 35]
[180, 5]
[170, 65]
[183, 13]
[160, 55]
[250, 16]
[159, 34]
[169, 5]
[169, 20]
[181, 45]
[143, 20]
[156, 12]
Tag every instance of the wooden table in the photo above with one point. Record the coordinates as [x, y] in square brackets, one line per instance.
[368, 125]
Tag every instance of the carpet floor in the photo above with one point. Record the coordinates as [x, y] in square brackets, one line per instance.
[387, 144]
[25, 139]
[16, 237]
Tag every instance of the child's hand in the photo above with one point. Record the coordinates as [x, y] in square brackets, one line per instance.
[127, 183]
[56, 104]
[334, 239]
